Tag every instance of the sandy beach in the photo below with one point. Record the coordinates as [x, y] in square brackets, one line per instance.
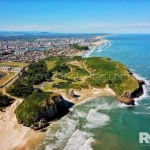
[14, 136]
[99, 42]
[94, 44]
[17, 137]
[88, 93]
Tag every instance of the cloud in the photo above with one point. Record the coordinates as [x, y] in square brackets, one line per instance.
[32, 27]
[98, 25]
[134, 25]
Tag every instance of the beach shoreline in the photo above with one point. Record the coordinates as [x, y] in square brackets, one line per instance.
[97, 43]
[27, 138]
[13, 135]
[94, 44]
[84, 94]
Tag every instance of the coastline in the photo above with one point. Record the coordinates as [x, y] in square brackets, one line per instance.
[94, 44]
[25, 137]
[97, 43]
[88, 93]
[10, 130]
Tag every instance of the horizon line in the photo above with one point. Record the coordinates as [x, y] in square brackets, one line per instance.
[53, 32]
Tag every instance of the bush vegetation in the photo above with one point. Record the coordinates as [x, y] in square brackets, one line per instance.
[79, 47]
[5, 100]
[30, 110]
[35, 74]
[103, 71]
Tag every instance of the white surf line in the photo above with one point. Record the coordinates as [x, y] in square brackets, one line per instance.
[96, 119]
[78, 140]
[145, 90]
[87, 145]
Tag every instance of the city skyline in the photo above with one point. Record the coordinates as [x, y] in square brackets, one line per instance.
[76, 17]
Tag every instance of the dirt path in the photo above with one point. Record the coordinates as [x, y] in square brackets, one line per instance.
[86, 68]
[13, 135]
[70, 70]
[88, 76]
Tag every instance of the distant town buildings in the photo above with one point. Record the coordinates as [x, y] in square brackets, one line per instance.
[10, 68]
[32, 51]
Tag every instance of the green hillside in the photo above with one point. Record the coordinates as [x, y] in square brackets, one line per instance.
[96, 72]
[64, 73]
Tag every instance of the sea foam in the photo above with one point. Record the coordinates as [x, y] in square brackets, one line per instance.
[80, 140]
[80, 114]
[96, 119]
[145, 88]
[87, 54]
[61, 137]
[145, 113]
[105, 45]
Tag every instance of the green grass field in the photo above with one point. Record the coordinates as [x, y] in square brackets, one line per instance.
[74, 73]
[47, 87]
[51, 64]
[15, 64]
[57, 80]
[7, 77]
[95, 72]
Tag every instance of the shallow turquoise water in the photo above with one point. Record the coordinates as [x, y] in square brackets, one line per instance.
[102, 123]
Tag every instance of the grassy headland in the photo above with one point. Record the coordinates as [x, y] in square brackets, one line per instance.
[64, 73]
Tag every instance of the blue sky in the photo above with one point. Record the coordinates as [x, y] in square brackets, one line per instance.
[76, 16]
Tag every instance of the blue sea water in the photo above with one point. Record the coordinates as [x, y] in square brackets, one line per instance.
[102, 123]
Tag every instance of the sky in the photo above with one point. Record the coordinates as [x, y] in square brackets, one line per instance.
[76, 16]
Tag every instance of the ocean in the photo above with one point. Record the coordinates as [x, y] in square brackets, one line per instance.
[102, 123]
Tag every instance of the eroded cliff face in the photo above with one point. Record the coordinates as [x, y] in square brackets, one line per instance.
[55, 107]
[128, 97]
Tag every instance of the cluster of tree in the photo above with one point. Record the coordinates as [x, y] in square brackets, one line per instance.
[31, 109]
[80, 72]
[65, 78]
[20, 89]
[61, 68]
[40, 106]
[5, 100]
[36, 73]
[76, 46]
[63, 85]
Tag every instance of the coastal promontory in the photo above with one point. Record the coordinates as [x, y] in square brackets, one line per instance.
[42, 85]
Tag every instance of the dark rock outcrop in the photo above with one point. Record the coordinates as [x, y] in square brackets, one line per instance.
[128, 97]
[55, 107]
[72, 94]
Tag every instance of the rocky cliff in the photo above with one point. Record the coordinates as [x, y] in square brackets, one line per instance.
[128, 97]
[54, 107]
[36, 111]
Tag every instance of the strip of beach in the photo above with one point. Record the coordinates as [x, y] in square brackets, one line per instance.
[87, 93]
[17, 137]
[94, 44]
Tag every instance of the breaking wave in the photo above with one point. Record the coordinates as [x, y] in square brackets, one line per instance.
[96, 119]
[80, 140]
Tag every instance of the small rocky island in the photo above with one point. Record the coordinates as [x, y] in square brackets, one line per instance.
[39, 84]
